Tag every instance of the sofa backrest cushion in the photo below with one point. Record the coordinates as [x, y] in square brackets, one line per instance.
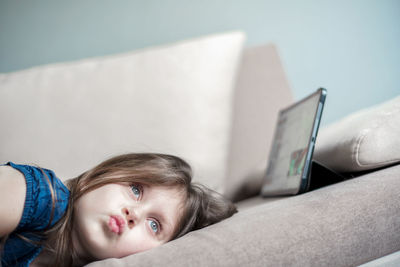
[173, 99]
[261, 91]
[365, 140]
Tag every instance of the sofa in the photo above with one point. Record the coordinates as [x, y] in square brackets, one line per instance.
[214, 102]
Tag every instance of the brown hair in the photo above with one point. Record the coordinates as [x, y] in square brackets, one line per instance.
[201, 206]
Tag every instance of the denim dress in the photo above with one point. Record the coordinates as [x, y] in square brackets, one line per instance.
[36, 214]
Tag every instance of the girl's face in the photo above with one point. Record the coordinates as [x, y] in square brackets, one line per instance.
[117, 220]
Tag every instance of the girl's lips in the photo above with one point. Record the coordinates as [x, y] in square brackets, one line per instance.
[116, 224]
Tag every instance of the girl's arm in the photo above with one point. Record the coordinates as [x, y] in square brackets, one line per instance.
[12, 198]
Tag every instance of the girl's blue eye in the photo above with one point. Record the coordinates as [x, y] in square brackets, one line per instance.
[136, 191]
[153, 226]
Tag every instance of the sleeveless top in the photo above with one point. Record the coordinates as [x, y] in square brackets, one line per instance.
[36, 214]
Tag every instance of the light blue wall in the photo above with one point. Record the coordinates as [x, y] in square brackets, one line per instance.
[349, 47]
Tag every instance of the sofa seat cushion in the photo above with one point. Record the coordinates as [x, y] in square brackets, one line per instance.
[173, 99]
[255, 201]
[365, 140]
[345, 224]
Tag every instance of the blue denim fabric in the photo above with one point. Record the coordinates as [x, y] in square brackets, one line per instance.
[36, 214]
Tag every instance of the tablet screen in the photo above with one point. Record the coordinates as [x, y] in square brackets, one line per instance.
[292, 145]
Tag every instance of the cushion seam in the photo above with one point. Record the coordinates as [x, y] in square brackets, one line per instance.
[358, 145]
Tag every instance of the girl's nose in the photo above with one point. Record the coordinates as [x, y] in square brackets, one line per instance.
[130, 216]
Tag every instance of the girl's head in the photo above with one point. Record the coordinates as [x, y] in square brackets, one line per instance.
[135, 202]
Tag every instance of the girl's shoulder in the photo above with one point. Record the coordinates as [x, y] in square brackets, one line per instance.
[46, 198]
[46, 201]
[12, 197]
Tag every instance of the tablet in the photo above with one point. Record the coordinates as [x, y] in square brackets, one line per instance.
[290, 159]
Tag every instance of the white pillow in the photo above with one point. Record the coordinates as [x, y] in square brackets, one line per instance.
[261, 90]
[367, 139]
[172, 99]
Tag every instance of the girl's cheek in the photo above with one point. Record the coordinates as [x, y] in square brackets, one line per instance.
[139, 240]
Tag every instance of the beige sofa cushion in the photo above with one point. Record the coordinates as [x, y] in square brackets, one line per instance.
[261, 90]
[345, 224]
[172, 99]
[365, 140]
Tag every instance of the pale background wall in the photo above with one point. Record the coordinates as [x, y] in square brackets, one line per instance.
[350, 47]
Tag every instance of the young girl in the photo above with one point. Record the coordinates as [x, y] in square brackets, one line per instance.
[127, 204]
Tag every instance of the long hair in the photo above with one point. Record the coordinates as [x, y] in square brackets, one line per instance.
[202, 206]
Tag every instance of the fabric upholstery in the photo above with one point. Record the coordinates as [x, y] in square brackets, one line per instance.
[261, 90]
[365, 140]
[345, 224]
[174, 99]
